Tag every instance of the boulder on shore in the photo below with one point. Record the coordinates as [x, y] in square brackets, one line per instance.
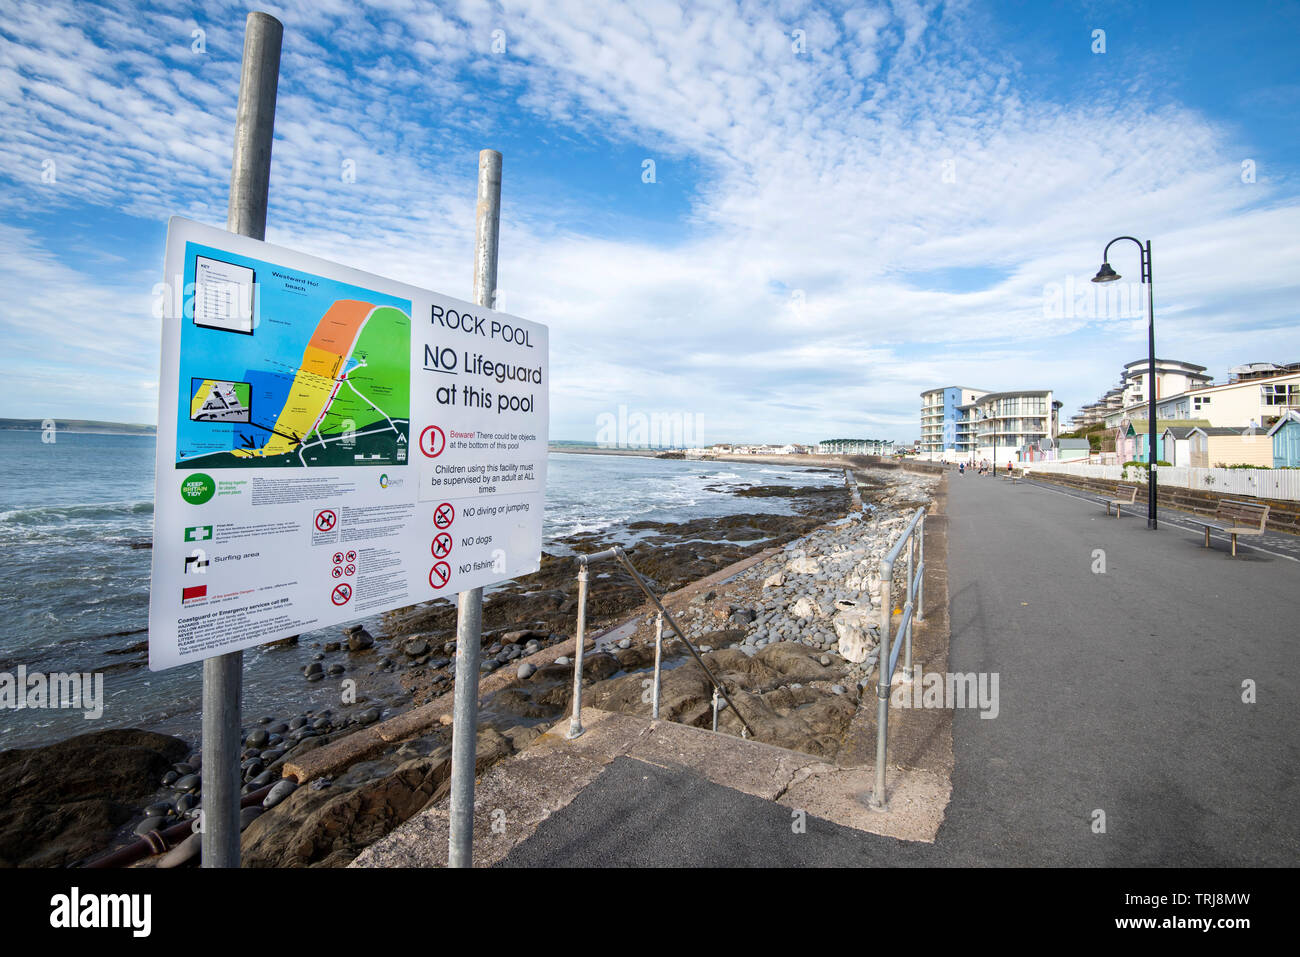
[65, 801]
[856, 634]
[805, 607]
[328, 827]
[804, 565]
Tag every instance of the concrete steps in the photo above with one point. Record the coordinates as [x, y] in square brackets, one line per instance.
[513, 798]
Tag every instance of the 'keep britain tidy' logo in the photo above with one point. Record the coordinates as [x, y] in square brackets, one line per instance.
[198, 488]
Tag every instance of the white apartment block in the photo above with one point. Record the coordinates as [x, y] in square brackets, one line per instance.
[960, 424]
[1005, 425]
[1254, 401]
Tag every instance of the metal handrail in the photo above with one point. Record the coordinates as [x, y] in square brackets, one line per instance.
[575, 722]
[913, 538]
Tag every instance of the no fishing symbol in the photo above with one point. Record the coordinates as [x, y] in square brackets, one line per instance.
[440, 574]
[444, 515]
[342, 594]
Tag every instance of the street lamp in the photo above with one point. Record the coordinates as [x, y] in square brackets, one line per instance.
[1106, 274]
[989, 417]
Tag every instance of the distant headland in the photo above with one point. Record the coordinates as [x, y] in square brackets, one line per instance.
[76, 425]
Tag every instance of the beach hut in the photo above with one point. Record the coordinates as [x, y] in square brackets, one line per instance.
[1286, 440]
[1214, 446]
[1072, 450]
[1177, 445]
[1131, 437]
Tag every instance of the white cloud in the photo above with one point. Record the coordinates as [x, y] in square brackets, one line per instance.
[825, 172]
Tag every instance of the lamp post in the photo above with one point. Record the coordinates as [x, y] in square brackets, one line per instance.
[993, 431]
[1106, 274]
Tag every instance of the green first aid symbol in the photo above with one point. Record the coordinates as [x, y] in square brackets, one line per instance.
[199, 533]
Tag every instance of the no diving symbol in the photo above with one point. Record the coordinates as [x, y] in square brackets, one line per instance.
[342, 594]
[432, 441]
[444, 515]
[440, 574]
[442, 545]
[325, 520]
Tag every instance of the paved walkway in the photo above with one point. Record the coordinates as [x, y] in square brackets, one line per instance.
[1120, 692]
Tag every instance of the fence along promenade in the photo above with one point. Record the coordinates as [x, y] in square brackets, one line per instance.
[1261, 483]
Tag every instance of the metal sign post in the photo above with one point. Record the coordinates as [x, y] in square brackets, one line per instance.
[469, 609]
[250, 174]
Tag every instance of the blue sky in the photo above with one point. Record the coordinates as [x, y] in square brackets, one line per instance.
[841, 218]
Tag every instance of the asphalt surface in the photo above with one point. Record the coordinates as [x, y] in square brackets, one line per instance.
[1119, 691]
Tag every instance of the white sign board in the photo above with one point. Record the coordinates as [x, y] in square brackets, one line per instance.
[331, 445]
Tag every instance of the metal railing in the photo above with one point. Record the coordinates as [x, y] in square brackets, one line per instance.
[913, 539]
[617, 553]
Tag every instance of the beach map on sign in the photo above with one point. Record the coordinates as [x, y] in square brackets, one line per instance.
[287, 369]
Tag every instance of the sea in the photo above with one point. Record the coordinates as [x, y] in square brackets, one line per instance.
[76, 522]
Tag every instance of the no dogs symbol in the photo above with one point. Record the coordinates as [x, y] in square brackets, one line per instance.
[442, 545]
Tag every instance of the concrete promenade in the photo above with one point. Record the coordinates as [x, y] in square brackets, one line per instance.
[1119, 691]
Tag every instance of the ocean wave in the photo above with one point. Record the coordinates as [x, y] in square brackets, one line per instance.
[45, 514]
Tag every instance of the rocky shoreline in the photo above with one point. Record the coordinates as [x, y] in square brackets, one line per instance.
[409, 663]
[791, 637]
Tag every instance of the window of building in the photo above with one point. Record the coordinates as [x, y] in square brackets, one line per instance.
[1199, 401]
[1284, 394]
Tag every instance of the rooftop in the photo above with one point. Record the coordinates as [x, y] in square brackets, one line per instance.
[1004, 395]
[1172, 362]
[1142, 426]
[945, 388]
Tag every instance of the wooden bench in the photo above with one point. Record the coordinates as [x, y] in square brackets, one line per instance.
[1015, 479]
[1235, 518]
[1123, 495]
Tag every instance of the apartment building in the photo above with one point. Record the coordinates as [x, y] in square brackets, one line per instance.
[856, 447]
[1003, 426]
[1238, 403]
[941, 420]
[1173, 377]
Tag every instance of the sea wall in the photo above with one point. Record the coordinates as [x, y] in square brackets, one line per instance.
[833, 462]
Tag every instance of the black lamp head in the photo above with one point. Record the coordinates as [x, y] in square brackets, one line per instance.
[1105, 274]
